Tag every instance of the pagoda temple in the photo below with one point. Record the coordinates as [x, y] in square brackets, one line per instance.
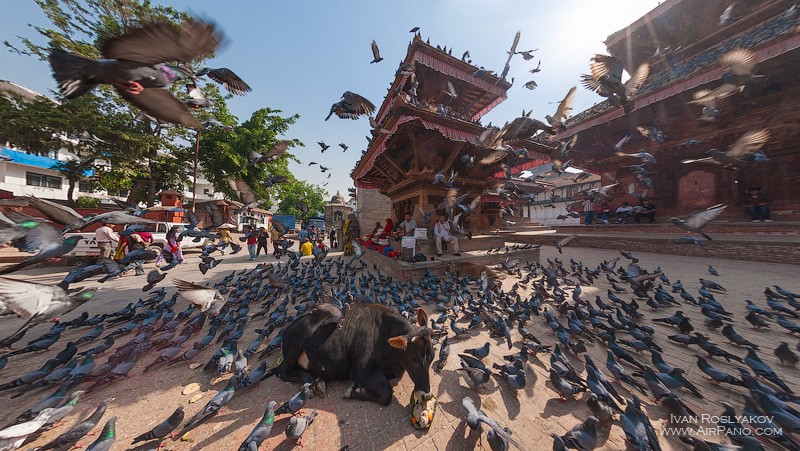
[429, 123]
[683, 41]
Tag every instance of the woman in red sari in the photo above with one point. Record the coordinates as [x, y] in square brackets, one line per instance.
[387, 228]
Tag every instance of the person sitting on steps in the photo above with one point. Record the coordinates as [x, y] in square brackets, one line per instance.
[441, 231]
[757, 205]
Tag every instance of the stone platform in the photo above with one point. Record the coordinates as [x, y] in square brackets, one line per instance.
[780, 247]
[406, 271]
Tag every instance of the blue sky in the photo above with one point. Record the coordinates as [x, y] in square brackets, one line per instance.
[300, 56]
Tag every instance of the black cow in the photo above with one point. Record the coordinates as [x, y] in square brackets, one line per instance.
[370, 346]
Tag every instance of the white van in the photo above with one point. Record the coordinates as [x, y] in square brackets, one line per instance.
[87, 247]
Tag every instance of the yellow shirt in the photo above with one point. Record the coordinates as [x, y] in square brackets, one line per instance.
[307, 248]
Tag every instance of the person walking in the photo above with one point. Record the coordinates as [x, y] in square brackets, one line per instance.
[133, 242]
[441, 232]
[225, 239]
[252, 242]
[263, 239]
[104, 236]
[275, 236]
[332, 239]
[588, 211]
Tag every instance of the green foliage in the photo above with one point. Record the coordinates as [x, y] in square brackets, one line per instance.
[225, 154]
[313, 195]
[87, 202]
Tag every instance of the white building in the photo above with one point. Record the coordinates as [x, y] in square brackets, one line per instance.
[552, 203]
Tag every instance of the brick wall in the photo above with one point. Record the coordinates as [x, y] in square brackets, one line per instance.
[372, 207]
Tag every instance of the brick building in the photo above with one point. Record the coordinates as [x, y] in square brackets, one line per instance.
[683, 42]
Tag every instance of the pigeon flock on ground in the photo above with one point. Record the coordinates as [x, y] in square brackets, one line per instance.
[163, 330]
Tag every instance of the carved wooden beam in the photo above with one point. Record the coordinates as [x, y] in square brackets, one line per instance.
[383, 173]
[453, 154]
[402, 171]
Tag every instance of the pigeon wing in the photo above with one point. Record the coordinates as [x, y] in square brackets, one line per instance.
[229, 80]
[637, 79]
[493, 157]
[276, 151]
[748, 143]
[358, 104]
[216, 216]
[376, 53]
[565, 106]
[53, 211]
[39, 238]
[699, 219]
[161, 104]
[606, 69]
[161, 41]
[24, 298]
[246, 194]
[739, 61]
[202, 297]
[278, 226]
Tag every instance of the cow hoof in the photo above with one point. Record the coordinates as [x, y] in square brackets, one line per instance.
[319, 388]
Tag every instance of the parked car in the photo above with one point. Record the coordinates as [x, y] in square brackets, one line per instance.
[87, 247]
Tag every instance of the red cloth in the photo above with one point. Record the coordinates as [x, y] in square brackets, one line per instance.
[253, 239]
[387, 229]
[146, 236]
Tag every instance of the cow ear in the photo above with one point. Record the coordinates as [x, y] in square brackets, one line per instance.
[422, 318]
[398, 342]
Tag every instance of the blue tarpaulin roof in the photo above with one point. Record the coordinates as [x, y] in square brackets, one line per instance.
[15, 156]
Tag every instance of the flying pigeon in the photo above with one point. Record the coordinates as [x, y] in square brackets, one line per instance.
[273, 154]
[204, 298]
[37, 303]
[351, 106]
[606, 80]
[376, 53]
[697, 220]
[132, 63]
[226, 78]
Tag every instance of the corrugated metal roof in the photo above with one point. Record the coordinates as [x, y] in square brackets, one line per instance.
[26, 159]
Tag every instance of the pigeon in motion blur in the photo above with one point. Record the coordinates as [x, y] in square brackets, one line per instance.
[606, 80]
[699, 219]
[132, 63]
[376, 53]
[351, 106]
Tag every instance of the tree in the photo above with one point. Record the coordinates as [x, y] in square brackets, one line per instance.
[74, 171]
[138, 154]
[313, 195]
[225, 154]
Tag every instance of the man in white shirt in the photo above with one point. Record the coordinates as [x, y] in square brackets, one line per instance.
[441, 231]
[407, 227]
[104, 236]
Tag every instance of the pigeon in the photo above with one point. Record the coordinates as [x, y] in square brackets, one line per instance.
[261, 431]
[211, 408]
[444, 353]
[272, 154]
[564, 388]
[227, 78]
[163, 429]
[106, 438]
[717, 375]
[376, 53]
[480, 353]
[47, 241]
[598, 408]
[475, 417]
[606, 80]
[739, 152]
[476, 371]
[785, 355]
[153, 277]
[131, 63]
[70, 438]
[37, 303]
[298, 425]
[762, 369]
[737, 339]
[204, 298]
[351, 106]
[14, 436]
[245, 195]
[563, 242]
[296, 402]
[583, 436]
[696, 221]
